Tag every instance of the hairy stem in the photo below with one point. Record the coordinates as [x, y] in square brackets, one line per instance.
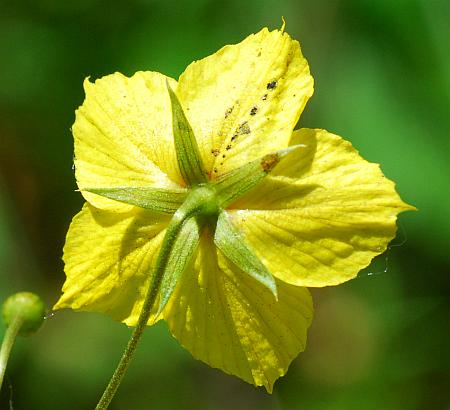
[152, 293]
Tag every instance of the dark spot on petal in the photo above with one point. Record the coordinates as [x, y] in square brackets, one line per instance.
[259, 54]
[215, 169]
[254, 110]
[272, 85]
[228, 147]
[223, 156]
[264, 97]
[215, 152]
[229, 111]
[243, 129]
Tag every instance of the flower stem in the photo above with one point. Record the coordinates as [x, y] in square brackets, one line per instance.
[8, 342]
[150, 298]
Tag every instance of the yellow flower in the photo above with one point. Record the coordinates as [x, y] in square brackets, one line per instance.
[320, 215]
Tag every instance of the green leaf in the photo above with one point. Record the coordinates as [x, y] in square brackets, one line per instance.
[188, 155]
[158, 200]
[233, 246]
[236, 183]
[180, 256]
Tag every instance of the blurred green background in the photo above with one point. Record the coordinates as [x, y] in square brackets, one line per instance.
[382, 80]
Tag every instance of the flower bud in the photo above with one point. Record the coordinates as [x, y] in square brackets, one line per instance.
[27, 306]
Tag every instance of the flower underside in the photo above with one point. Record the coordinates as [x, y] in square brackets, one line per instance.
[204, 181]
[200, 206]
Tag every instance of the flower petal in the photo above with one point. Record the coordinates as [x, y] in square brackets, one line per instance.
[243, 101]
[230, 321]
[322, 214]
[108, 261]
[123, 136]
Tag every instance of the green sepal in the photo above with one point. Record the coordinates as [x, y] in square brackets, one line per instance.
[231, 186]
[182, 238]
[158, 200]
[233, 246]
[188, 155]
[183, 249]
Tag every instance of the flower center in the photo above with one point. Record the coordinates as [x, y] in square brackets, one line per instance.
[203, 202]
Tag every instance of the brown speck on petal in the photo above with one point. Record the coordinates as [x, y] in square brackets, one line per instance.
[243, 129]
[254, 110]
[215, 152]
[272, 85]
[229, 111]
[264, 97]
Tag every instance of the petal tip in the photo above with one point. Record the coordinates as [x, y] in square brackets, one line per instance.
[407, 207]
[283, 24]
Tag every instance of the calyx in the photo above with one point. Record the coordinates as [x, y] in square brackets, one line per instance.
[201, 204]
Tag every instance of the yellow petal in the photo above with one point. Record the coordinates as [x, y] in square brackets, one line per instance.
[108, 260]
[322, 215]
[244, 101]
[231, 322]
[123, 136]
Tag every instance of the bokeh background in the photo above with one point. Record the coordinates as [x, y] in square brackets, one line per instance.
[382, 80]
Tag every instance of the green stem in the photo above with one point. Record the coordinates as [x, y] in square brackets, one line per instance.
[8, 342]
[152, 293]
[200, 200]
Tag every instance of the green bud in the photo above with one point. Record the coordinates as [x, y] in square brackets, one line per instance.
[28, 307]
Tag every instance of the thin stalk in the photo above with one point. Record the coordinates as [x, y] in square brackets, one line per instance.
[8, 342]
[150, 298]
[198, 201]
